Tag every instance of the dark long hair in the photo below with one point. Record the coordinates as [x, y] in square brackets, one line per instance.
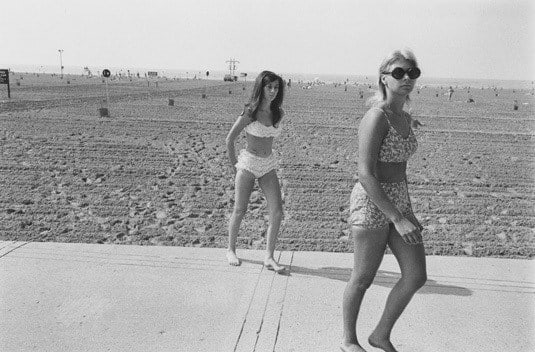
[263, 79]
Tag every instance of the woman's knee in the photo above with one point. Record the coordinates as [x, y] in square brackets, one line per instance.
[240, 211]
[361, 282]
[422, 279]
[416, 280]
[277, 213]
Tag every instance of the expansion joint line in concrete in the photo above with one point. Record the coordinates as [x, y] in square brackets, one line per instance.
[11, 250]
[282, 304]
[248, 309]
[256, 316]
[265, 307]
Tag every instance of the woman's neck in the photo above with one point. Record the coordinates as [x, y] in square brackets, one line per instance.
[395, 104]
[265, 106]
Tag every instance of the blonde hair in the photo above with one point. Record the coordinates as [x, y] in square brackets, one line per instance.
[403, 54]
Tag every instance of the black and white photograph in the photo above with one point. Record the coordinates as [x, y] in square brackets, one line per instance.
[267, 176]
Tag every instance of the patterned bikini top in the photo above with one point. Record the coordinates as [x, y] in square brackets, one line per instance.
[395, 148]
[258, 129]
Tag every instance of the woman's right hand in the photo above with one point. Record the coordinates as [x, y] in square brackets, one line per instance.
[408, 231]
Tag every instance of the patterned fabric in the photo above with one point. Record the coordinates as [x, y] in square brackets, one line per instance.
[364, 213]
[258, 129]
[257, 165]
[395, 148]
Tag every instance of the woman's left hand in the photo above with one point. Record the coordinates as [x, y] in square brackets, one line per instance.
[408, 231]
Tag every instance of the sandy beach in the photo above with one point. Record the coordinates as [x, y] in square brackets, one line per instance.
[156, 174]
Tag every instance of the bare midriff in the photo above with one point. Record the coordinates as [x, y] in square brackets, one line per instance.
[391, 172]
[259, 146]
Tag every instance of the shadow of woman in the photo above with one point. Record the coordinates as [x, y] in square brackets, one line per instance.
[383, 278]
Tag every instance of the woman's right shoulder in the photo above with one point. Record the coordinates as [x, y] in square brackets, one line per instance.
[375, 115]
[247, 112]
[373, 123]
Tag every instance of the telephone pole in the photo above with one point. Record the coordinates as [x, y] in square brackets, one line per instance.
[61, 61]
[232, 66]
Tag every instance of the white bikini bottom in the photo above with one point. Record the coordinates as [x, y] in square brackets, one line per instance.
[257, 165]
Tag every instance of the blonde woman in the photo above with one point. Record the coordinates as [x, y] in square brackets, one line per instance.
[380, 209]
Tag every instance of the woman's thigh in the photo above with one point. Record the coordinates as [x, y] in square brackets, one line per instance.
[269, 183]
[369, 249]
[411, 257]
[243, 186]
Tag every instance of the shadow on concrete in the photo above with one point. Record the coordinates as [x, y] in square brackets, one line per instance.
[383, 278]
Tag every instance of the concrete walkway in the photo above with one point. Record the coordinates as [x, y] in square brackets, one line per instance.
[91, 297]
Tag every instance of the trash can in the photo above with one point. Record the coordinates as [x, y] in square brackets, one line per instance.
[104, 112]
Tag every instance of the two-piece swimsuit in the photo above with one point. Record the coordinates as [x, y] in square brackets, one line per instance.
[257, 165]
[362, 210]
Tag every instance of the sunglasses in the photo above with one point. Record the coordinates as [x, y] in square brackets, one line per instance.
[399, 73]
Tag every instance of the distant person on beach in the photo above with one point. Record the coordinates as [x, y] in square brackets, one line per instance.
[380, 212]
[261, 121]
[450, 93]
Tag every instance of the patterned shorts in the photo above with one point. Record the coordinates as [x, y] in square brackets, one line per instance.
[364, 213]
[257, 165]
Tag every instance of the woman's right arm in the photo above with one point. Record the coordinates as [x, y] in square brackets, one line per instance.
[243, 120]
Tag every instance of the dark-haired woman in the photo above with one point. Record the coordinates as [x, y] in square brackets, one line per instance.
[261, 121]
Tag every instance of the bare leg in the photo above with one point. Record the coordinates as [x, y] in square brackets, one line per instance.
[411, 259]
[271, 188]
[369, 248]
[242, 191]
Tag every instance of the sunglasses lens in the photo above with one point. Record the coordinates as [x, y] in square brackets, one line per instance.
[398, 73]
[414, 73]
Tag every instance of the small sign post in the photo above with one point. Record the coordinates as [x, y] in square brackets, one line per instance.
[204, 91]
[106, 73]
[244, 75]
[104, 112]
[4, 79]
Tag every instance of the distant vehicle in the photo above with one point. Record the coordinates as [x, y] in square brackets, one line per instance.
[230, 78]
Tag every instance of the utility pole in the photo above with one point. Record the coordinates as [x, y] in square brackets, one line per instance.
[61, 61]
[232, 66]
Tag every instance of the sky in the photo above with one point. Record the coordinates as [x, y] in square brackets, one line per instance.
[482, 39]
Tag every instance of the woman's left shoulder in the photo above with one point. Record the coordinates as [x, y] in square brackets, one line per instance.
[413, 123]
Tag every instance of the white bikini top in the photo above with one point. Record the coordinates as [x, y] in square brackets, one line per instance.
[258, 129]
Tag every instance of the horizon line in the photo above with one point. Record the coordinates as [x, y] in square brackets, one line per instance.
[256, 71]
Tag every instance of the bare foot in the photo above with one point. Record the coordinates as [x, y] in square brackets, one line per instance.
[351, 347]
[232, 258]
[271, 264]
[382, 343]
